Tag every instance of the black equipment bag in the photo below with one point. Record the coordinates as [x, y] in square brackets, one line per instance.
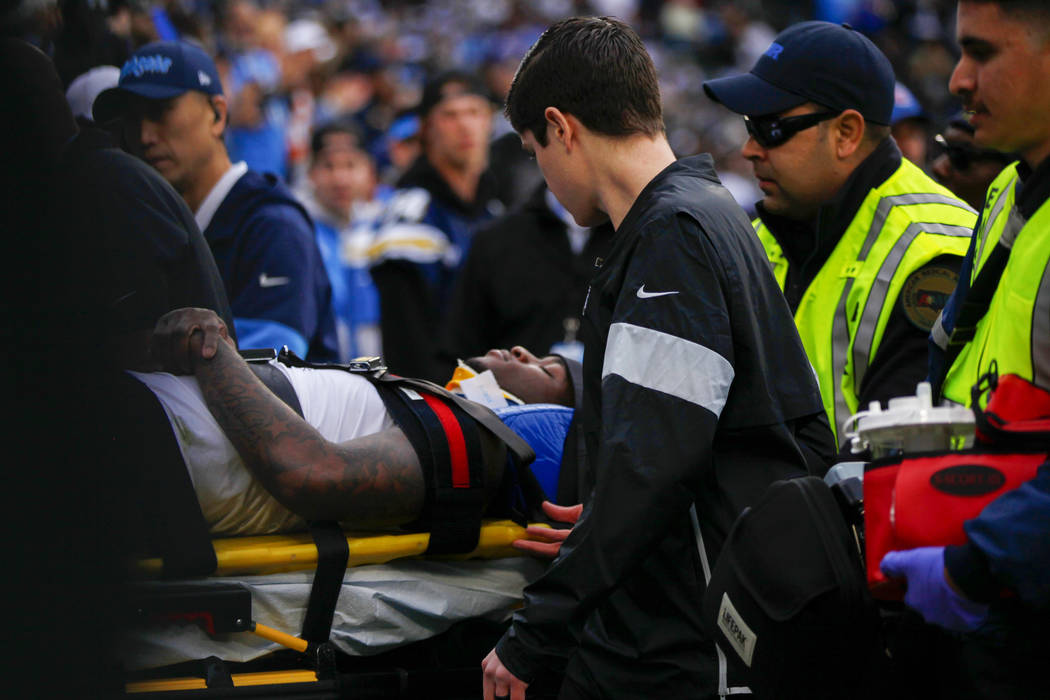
[787, 601]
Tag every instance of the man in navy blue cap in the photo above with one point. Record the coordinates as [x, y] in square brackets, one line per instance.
[864, 244]
[172, 113]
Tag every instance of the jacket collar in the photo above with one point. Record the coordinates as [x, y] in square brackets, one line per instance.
[423, 174]
[1034, 188]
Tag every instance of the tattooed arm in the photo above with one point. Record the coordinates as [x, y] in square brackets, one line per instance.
[373, 481]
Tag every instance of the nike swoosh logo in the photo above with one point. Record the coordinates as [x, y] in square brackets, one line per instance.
[266, 281]
[642, 294]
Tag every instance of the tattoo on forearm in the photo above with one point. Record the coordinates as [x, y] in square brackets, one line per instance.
[371, 481]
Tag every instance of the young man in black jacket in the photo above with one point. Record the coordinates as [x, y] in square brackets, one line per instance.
[697, 392]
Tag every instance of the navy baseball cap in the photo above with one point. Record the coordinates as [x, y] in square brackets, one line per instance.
[159, 71]
[831, 64]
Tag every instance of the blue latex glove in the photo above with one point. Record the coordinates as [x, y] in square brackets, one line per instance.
[929, 593]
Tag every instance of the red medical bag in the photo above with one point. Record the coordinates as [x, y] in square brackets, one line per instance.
[922, 500]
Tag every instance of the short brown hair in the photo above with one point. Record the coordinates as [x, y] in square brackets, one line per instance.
[595, 68]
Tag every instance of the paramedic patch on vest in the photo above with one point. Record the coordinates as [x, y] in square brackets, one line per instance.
[925, 293]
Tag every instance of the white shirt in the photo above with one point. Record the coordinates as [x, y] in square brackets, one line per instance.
[340, 405]
[218, 193]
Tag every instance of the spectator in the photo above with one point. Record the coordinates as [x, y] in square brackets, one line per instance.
[909, 125]
[258, 111]
[428, 226]
[171, 104]
[524, 281]
[344, 199]
[86, 87]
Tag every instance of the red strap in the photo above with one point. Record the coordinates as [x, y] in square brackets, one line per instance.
[457, 445]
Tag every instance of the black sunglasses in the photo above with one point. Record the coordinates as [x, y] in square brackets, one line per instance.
[771, 132]
[963, 155]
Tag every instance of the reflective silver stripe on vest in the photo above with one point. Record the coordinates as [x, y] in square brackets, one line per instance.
[1014, 224]
[669, 364]
[939, 335]
[882, 212]
[1041, 333]
[839, 347]
[880, 287]
[997, 209]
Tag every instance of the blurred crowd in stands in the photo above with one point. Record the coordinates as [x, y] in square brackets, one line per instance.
[291, 65]
[300, 76]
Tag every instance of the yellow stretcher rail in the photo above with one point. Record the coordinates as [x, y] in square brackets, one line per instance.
[239, 680]
[271, 554]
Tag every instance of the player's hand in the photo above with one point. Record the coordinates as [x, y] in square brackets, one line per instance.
[547, 542]
[498, 682]
[183, 337]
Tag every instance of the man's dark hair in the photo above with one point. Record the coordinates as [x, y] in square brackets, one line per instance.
[341, 131]
[595, 68]
[1038, 10]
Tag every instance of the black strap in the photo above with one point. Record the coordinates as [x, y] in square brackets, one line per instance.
[278, 383]
[333, 552]
[482, 414]
[332, 549]
[169, 513]
[976, 302]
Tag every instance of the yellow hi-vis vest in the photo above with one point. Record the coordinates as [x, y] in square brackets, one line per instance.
[1015, 331]
[902, 224]
[998, 204]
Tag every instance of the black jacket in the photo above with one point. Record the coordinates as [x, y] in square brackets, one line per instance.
[521, 281]
[696, 392]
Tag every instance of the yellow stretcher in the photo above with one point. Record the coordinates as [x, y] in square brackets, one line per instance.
[262, 555]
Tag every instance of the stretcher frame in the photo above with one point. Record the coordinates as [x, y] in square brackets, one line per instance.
[268, 554]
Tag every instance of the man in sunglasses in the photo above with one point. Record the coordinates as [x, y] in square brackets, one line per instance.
[962, 166]
[864, 244]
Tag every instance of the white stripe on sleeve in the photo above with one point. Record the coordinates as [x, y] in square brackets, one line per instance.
[669, 364]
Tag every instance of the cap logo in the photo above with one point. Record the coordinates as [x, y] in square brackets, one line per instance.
[138, 65]
[774, 51]
[203, 78]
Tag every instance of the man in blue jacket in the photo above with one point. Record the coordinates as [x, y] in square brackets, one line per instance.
[173, 115]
